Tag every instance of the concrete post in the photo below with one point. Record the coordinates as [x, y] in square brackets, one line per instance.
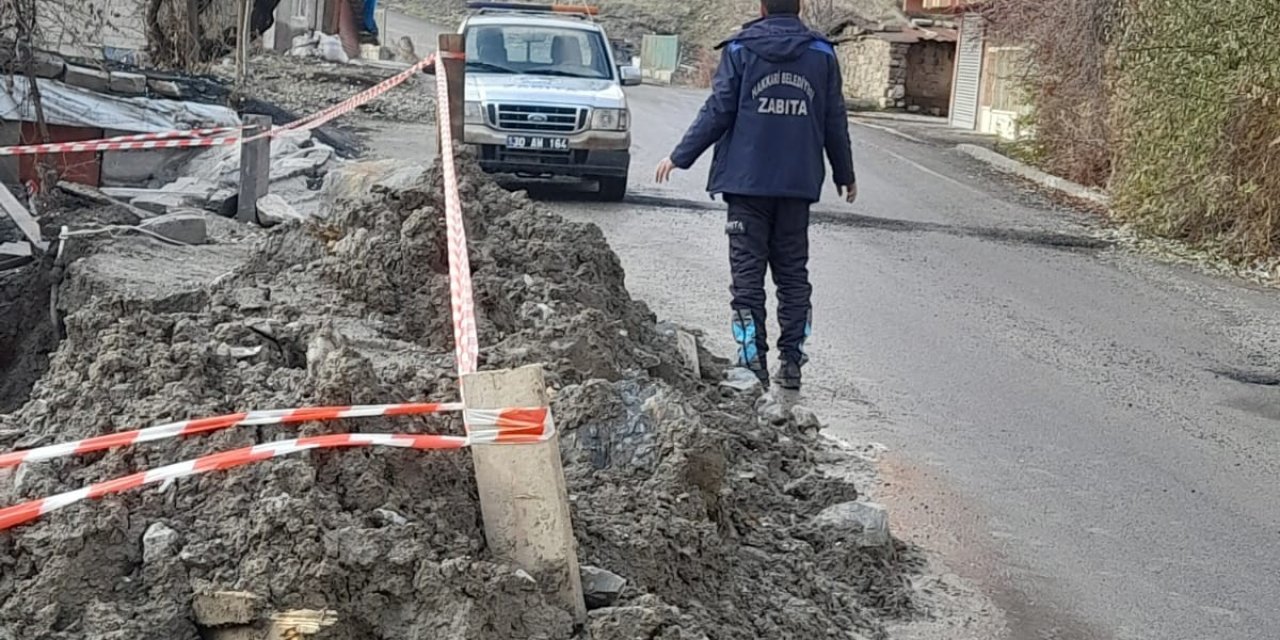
[456, 68]
[523, 497]
[255, 167]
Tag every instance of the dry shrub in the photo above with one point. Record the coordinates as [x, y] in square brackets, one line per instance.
[705, 63]
[1198, 102]
[1066, 79]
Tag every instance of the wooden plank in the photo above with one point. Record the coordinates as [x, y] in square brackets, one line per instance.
[23, 218]
[523, 497]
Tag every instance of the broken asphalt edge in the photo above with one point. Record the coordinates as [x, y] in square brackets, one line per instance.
[1027, 172]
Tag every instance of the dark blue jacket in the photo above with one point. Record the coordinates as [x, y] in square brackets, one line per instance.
[777, 104]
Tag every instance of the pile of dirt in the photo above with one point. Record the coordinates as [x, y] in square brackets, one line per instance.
[675, 486]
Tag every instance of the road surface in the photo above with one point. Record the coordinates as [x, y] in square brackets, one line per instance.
[1092, 437]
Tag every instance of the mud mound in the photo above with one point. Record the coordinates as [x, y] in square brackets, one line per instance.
[674, 487]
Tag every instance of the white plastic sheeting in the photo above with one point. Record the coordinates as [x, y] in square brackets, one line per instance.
[65, 105]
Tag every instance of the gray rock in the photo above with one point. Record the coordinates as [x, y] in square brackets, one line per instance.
[159, 203]
[134, 84]
[158, 542]
[273, 209]
[187, 228]
[389, 517]
[772, 410]
[600, 587]
[740, 379]
[86, 78]
[166, 88]
[867, 522]
[303, 162]
[805, 418]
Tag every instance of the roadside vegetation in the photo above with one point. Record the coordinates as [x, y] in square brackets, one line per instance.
[1172, 106]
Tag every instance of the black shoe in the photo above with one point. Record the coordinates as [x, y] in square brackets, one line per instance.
[789, 376]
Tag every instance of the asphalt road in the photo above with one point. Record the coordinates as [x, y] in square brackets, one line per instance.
[1092, 437]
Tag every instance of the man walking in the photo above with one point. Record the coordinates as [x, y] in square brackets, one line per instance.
[777, 104]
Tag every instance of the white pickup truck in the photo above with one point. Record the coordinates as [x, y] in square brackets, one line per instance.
[544, 94]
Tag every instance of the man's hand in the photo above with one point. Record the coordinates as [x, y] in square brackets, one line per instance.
[850, 192]
[665, 169]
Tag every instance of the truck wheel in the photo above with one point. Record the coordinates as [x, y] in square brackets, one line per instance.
[613, 189]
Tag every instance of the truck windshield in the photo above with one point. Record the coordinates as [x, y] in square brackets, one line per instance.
[537, 50]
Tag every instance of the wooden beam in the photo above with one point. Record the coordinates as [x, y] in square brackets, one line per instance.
[255, 167]
[523, 497]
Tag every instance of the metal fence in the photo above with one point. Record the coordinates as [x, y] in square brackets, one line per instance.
[659, 57]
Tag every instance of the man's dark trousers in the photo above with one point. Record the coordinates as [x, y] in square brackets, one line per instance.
[773, 234]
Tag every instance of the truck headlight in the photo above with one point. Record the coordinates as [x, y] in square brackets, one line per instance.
[611, 119]
[473, 113]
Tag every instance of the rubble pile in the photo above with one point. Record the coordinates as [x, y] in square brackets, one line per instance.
[694, 519]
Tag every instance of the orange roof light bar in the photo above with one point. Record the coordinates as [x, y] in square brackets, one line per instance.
[580, 9]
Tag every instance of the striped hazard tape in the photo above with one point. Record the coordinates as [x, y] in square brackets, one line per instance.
[166, 140]
[467, 344]
[485, 426]
[217, 423]
[218, 137]
[29, 511]
[354, 102]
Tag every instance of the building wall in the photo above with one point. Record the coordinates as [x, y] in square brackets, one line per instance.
[875, 73]
[930, 67]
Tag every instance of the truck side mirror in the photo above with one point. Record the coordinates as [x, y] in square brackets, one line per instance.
[630, 75]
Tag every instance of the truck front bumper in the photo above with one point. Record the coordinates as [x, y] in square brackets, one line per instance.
[591, 154]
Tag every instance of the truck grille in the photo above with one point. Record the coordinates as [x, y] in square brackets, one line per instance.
[538, 118]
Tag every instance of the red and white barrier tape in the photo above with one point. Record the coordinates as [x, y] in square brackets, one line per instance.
[208, 425]
[166, 140]
[354, 102]
[487, 426]
[508, 426]
[467, 344]
[210, 137]
[29, 511]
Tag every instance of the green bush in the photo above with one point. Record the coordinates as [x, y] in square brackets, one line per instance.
[1196, 116]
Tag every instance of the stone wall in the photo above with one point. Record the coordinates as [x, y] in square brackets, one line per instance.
[875, 73]
[930, 67]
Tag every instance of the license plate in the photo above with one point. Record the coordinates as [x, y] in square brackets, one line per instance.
[537, 143]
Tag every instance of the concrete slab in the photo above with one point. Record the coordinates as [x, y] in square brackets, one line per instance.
[133, 84]
[86, 78]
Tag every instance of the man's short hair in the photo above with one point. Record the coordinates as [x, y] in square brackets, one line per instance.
[781, 7]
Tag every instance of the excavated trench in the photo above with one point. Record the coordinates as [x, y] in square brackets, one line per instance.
[675, 485]
[27, 333]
